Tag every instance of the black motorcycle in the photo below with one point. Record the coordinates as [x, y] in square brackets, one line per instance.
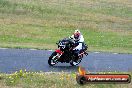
[65, 54]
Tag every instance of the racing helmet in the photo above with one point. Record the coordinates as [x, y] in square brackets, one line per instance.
[77, 34]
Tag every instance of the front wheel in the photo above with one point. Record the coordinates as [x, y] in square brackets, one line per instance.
[53, 59]
[74, 63]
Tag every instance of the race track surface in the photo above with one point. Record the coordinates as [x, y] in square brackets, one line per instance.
[12, 60]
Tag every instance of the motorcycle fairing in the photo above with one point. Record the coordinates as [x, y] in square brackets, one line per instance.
[59, 51]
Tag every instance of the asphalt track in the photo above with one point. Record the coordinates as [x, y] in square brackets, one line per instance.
[12, 60]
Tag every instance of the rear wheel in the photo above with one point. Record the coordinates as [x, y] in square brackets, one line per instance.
[74, 63]
[53, 59]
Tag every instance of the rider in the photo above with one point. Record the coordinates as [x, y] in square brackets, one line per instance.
[78, 39]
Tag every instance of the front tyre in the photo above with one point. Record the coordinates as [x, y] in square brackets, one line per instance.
[53, 59]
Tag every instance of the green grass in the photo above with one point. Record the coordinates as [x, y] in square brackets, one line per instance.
[24, 79]
[39, 24]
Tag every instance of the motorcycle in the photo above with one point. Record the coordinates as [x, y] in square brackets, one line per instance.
[64, 53]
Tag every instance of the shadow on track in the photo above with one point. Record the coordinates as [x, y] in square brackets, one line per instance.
[64, 68]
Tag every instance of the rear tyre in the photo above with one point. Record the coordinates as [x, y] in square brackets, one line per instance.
[53, 59]
[75, 63]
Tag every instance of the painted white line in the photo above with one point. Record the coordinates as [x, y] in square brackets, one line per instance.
[32, 49]
[3, 48]
[96, 52]
[115, 53]
[50, 50]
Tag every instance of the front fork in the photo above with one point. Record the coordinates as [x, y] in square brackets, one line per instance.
[58, 55]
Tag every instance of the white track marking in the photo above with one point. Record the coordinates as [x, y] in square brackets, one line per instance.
[3, 48]
[115, 53]
[50, 50]
[96, 52]
[32, 49]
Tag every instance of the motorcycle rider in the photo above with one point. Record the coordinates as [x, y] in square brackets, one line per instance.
[78, 40]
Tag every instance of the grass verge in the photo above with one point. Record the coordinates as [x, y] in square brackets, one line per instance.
[106, 25]
[24, 79]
